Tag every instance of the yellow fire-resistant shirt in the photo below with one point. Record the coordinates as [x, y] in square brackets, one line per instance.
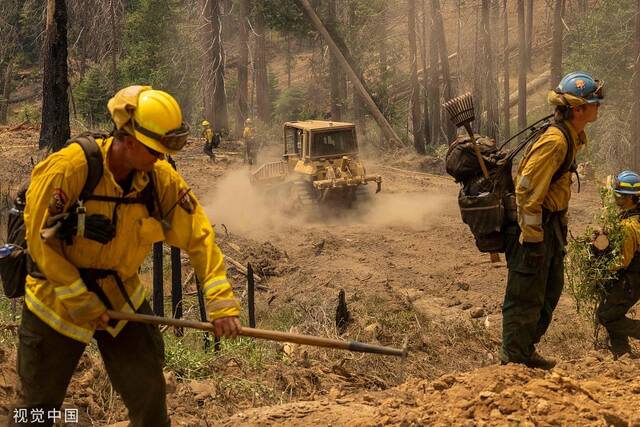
[249, 133]
[534, 189]
[631, 242]
[63, 300]
[207, 134]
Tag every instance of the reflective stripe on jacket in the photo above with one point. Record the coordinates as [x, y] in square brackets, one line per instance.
[62, 300]
[534, 189]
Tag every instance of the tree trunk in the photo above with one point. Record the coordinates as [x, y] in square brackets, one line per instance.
[416, 122]
[522, 75]
[434, 83]
[635, 110]
[556, 50]
[506, 118]
[337, 101]
[6, 93]
[114, 47]
[491, 90]
[260, 64]
[425, 75]
[242, 112]
[218, 114]
[55, 131]
[529, 35]
[447, 89]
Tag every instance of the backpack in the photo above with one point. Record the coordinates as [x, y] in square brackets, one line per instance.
[488, 204]
[15, 267]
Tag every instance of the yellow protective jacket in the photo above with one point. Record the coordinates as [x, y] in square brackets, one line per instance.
[631, 242]
[62, 300]
[249, 133]
[207, 134]
[534, 189]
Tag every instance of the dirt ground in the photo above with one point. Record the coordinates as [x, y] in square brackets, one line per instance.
[411, 274]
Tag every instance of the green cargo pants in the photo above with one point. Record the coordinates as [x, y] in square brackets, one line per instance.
[621, 296]
[133, 360]
[532, 293]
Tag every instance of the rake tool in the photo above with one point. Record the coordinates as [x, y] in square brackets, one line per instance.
[265, 334]
[461, 111]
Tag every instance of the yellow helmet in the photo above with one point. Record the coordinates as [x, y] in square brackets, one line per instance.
[248, 121]
[205, 123]
[152, 116]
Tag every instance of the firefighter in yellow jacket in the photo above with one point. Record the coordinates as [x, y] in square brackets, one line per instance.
[250, 146]
[535, 246]
[624, 292]
[92, 263]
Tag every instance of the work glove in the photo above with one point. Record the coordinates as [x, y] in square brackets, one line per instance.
[533, 254]
[96, 227]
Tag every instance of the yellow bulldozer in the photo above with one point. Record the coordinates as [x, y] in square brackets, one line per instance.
[320, 166]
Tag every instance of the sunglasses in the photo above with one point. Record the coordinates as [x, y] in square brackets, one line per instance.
[173, 140]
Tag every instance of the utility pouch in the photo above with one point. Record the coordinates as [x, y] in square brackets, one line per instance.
[484, 214]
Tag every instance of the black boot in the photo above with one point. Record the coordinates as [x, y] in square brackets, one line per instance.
[540, 362]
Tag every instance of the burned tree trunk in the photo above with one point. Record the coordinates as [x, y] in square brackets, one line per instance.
[489, 73]
[260, 64]
[522, 75]
[55, 81]
[418, 134]
[218, 114]
[242, 111]
[635, 111]
[556, 50]
[506, 115]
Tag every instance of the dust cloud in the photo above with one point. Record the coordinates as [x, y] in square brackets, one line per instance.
[244, 208]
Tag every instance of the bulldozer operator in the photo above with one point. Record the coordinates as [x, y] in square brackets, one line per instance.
[92, 262]
[535, 246]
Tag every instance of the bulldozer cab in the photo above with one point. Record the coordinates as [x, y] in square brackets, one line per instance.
[315, 140]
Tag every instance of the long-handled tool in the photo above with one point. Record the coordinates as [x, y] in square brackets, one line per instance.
[461, 111]
[265, 334]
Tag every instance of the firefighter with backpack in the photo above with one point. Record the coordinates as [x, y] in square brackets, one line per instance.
[87, 248]
[624, 292]
[535, 246]
[250, 145]
[211, 139]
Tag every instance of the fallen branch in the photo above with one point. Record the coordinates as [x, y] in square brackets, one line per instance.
[241, 268]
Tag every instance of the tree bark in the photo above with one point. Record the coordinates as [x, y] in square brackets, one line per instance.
[55, 130]
[506, 115]
[635, 110]
[418, 134]
[491, 90]
[529, 30]
[434, 83]
[522, 75]
[242, 112]
[6, 93]
[425, 75]
[218, 114]
[447, 89]
[337, 101]
[556, 50]
[260, 64]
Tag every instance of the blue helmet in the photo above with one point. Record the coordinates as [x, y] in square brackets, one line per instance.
[582, 85]
[626, 182]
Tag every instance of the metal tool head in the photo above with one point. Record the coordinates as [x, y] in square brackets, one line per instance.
[460, 109]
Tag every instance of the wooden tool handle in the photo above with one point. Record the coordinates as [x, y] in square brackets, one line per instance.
[476, 149]
[264, 334]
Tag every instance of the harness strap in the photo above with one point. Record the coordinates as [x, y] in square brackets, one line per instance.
[90, 276]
